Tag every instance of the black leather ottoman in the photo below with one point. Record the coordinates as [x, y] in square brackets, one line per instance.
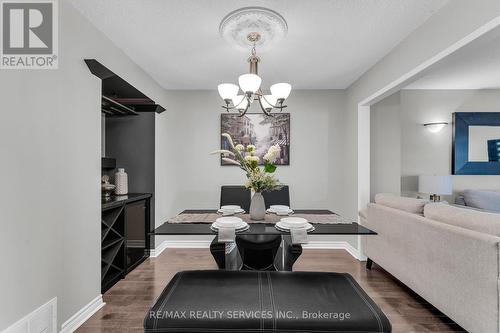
[253, 301]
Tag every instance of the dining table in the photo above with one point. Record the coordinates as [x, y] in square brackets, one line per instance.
[199, 222]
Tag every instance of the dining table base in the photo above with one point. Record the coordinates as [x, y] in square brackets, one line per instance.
[287, 255]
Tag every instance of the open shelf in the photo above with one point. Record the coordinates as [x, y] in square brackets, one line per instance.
[120, 98]
[110, 242]
[109, 234]
[110, 216]
[110, 254]
[112, 275]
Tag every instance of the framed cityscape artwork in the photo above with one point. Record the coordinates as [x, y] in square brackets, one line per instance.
[259, 130]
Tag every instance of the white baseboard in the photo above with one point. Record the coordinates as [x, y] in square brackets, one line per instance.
[179, 244]
[82, 315]
[334, 245]
[205, 244]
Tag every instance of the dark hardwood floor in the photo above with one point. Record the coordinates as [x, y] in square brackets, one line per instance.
[128, 301]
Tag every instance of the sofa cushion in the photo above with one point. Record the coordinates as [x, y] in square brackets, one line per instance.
[482, 199]
[480, 221]
[410, 205]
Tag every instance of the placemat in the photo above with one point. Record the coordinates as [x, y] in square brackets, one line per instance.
[270, 218]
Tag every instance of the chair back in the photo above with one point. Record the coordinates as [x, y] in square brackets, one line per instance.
[235, 195]
[278, 197]
[258, 252]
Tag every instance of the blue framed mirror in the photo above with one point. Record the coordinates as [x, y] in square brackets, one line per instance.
[476, 143]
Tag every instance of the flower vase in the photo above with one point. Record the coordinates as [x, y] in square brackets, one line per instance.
[257, 207]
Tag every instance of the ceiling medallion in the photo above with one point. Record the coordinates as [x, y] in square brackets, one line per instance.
[260, 28]
[236, 26]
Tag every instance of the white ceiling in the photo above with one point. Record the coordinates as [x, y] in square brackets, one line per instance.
[330, 43]
[475, 66]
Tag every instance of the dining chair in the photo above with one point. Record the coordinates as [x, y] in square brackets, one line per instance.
[278, 197]
[258, 252]
[229, 195]
[235, 195]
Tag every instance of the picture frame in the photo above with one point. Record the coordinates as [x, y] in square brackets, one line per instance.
[259, 130]
[461, 165]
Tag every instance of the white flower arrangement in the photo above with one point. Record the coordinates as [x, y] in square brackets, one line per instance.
[258, 179]
[272, 154]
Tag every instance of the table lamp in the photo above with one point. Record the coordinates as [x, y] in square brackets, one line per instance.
[435, 186]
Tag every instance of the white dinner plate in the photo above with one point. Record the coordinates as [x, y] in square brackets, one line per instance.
[229, 221]
[227, 211]
[293, 222]
[280, 212]
[279, 207]
[244, 226]
[230, 207]
[309, 227]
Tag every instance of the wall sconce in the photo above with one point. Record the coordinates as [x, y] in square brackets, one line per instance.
[435, 127]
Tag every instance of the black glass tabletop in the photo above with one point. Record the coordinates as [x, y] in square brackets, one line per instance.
[203, 228]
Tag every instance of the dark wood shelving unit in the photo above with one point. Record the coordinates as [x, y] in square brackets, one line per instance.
[119, 98]
[112, 246]
[125, 242]
[128, 133]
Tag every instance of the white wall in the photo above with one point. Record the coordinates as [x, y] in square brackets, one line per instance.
[430, 153]
[423, 152]
[50, 173]
[385, 146]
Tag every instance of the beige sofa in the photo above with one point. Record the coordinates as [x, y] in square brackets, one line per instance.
[446, 254]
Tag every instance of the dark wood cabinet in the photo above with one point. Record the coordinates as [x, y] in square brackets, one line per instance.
[136, 221]
[124, 236]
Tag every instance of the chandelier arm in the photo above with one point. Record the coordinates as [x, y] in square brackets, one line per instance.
[280, 106]
[263, 109]
[228, 107]
[246, 109]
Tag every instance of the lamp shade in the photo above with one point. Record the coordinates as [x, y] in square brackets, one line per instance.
[441, 185]
[281, 90]
[249, 83]
[227, 90]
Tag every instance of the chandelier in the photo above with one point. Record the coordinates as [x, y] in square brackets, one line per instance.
[250, 87]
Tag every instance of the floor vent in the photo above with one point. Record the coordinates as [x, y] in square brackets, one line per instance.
[42, 320]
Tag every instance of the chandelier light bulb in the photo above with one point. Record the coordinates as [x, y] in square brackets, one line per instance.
[281, 90]
[249, 83]
[227, 91]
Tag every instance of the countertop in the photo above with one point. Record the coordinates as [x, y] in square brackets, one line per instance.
[118, 200]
